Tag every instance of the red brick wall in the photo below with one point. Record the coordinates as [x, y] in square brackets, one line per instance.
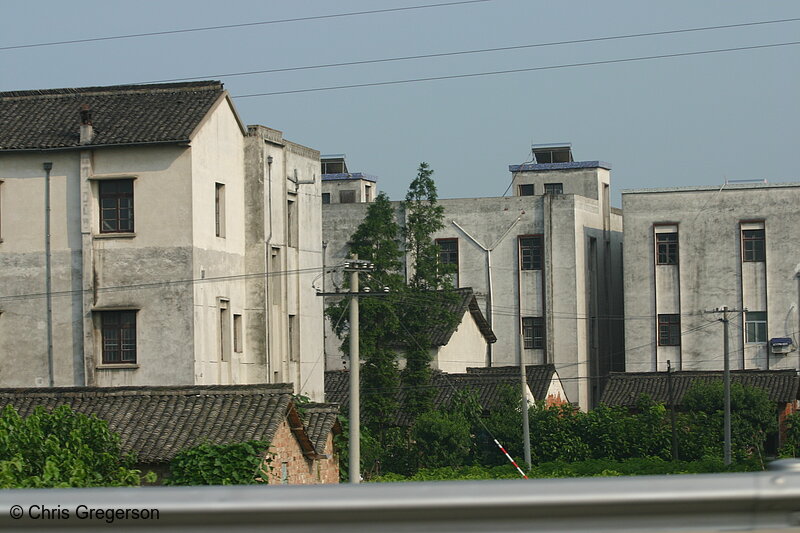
[285, 449]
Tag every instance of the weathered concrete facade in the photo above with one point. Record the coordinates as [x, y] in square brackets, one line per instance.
[692, 249]
[571, 290]
[184, 267]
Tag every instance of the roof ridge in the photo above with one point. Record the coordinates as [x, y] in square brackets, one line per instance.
[113, 89]
[153, 390]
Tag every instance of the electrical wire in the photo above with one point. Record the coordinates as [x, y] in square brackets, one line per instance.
[470, 52]
[240, 25]
[518, 70]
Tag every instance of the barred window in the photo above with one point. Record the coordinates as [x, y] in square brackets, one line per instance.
[119, 336]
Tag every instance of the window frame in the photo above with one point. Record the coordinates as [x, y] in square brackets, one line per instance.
[758, 245]
[533, 333]
[219, 209]
[326, 198]
[450, 254]
[548, 188]
[121, 326]
[347, 192]
[669, 329]
[523, 186]
[671, 248]
[117, 197]
[751, 325]
[530, 262]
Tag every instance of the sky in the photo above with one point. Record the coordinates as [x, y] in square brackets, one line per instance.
[690, 120]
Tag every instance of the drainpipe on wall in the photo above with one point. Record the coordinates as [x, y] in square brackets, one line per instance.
[47, 268]
[267, 256]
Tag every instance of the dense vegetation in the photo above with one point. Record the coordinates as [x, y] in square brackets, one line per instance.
[61, 449]
[221, 464]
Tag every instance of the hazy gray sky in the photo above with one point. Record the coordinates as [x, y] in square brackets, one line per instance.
[679, 121]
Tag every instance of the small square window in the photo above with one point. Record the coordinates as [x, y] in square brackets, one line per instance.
[347, 197]
[554, 188]
[326, 198]
[526, 189]
[669, 330]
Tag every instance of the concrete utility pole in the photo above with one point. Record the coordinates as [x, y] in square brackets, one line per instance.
[672, 411]
[726, 377]
[48, 283]
[526, 428]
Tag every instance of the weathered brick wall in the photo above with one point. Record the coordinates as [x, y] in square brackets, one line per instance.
[299, 470]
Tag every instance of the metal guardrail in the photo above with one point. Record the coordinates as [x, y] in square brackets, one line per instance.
[764, 501]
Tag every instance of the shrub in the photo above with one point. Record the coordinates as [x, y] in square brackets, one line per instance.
[244, 463]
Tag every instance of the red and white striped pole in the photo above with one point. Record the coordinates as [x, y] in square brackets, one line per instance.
[513, 462]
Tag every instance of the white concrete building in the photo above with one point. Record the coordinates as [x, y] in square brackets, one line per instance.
[544, 265]
[154, 279]
[692, 249]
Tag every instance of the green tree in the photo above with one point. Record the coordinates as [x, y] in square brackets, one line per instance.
[61, 449]
[377, 240]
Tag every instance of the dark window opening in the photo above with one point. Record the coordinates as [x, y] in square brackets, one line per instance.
[119, 336]
[533, 333]
[526, 190]
[448, 255]
[554, 188]
[753, 245]
[669, 330]
[667, 248]
[530, 253]
[116, 206]
[347, 197]
[326, 198]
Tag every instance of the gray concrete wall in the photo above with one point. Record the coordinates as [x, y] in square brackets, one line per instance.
[711, 273]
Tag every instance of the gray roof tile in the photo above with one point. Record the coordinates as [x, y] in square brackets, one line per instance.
[121, 114]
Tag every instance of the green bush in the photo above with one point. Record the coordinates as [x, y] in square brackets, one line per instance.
[244, 463]
[62, 448]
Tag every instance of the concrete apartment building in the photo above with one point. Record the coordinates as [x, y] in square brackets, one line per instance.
[157, 241]
[692, 249]
[544, 264]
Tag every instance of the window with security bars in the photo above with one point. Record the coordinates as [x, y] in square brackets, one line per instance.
[533, 332]
[753, 245]
[667, 248]
[119, 336]
[755, 326]
[116, 206]
[669, 330]
[448, 255]
[530, 252]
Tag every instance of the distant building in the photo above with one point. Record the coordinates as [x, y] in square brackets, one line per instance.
[183, 244]
[544, 264]
[689, 250]
[339, 186]
[157, 423]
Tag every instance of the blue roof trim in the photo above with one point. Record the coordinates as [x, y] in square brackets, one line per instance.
[781, 341]
[559, 166]
[350, 176]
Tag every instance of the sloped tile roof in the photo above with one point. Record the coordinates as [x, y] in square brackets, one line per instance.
[538, 377]
[158, 422]
[625, 388]
[465, 301]
[320, 419]
[121, 114]
[486, 383]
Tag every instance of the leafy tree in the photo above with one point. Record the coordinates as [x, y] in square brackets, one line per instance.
[62, 449]
[377, 240]
[442, 439]
[244, 463]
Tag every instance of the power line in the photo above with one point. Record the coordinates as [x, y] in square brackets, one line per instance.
[519, 70]
[241, 25]
[474, 51]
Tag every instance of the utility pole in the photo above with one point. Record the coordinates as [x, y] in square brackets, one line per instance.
[48, 282]
[354, 266]
[672, 412]
[526, 429]
[726, 378]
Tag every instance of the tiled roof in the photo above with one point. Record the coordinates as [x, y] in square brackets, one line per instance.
[121, 114]
[486, 383]
[158, 422]
[319, 420]
[466, 301]
[538, 377]
[625, 388]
